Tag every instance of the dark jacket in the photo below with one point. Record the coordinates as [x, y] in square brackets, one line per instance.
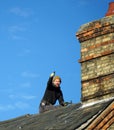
[52, 94]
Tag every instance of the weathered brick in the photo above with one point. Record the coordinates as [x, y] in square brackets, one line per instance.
[97, 58]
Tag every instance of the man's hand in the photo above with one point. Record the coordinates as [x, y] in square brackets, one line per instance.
[52, 74]
[67, 103]
[42, 104]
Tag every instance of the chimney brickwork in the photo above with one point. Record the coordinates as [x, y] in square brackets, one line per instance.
[97, 59]
[110, 9]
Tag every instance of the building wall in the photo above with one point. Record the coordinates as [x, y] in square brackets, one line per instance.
[97, 59]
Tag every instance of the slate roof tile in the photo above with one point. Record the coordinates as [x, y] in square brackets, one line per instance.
[71, 117]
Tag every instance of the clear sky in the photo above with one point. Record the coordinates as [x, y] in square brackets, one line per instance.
[37, 37]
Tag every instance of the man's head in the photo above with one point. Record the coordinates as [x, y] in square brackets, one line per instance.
[56, 81]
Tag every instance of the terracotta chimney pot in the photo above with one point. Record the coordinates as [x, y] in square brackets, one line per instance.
[110, 9]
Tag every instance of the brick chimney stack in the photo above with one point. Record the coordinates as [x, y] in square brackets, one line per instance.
[110, 9]
[97, 58]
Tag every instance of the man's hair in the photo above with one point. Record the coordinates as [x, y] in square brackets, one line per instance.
[56, 77]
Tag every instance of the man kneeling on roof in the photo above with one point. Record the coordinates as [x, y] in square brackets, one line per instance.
[52, 93]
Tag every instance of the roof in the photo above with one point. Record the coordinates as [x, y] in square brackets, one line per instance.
[74, 116]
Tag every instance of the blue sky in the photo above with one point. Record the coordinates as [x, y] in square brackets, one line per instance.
[37, 38]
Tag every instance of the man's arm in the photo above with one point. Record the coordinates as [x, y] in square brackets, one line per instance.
[49, 83]
[61, 99]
